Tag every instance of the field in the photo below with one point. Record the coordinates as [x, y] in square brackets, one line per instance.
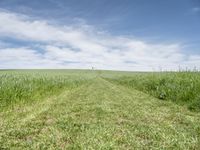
[82, 109]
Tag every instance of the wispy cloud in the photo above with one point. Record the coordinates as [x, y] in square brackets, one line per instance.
[196, 9]
[83, 46]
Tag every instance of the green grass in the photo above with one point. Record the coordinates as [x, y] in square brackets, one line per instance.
[99, 112]
[19, 87]
[179, 87]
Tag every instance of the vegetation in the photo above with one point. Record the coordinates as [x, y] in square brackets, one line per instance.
[19, 87]
[179, 87]
[74, 109]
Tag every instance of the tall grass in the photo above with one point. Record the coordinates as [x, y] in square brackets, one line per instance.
[26, 86]
[180, 87]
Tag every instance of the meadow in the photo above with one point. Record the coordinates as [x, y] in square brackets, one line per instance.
[180, 87]
[25, 86]
[93, 109]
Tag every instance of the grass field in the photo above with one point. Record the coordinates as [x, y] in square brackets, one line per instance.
[81, 109]
[180, 87]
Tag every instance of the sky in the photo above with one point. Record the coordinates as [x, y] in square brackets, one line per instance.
[132, 35]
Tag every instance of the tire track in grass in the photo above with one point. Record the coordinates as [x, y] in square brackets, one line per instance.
[103, 115]
[24, 114]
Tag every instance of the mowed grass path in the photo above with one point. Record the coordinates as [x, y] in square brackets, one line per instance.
[100, 115]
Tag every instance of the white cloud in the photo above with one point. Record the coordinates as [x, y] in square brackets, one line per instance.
[196, 9]
[83, 47]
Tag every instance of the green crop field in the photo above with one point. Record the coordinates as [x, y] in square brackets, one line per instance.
[93, 109]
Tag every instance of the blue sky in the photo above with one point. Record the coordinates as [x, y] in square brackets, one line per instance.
[133, 35]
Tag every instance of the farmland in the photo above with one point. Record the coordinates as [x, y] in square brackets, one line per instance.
[82, 109]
